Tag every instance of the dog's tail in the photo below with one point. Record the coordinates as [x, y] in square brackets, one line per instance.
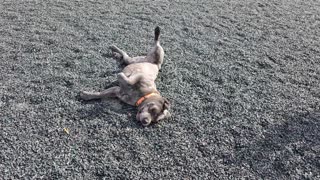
[156, 33]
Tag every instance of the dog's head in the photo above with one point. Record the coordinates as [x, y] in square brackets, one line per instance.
[153, 110]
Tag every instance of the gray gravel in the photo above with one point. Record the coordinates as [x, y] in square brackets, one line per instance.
[243, 78]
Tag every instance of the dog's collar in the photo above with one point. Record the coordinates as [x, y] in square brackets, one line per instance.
[145, 97]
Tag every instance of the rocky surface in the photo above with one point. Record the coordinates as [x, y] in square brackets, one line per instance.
[243, 78]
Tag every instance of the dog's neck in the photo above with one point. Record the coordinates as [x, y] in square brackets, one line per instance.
[146, 99]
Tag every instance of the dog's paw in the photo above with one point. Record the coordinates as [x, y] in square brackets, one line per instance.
[114, 48]
[116, 56]
[84, 95]
[121, 76]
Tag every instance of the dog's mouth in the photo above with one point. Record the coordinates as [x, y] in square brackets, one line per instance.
[147, 114]
[145, 121]
[144, 118]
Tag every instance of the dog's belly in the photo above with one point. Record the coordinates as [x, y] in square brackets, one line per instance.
[145, 68]
[131, 93]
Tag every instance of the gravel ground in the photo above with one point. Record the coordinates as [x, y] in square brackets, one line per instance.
[243, 78]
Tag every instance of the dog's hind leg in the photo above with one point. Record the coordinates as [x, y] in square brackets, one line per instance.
[132, 80]
[111, 92]
[122, 55]
[156, 54]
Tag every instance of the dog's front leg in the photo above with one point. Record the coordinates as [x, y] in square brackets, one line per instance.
[111, 92]
[132, 79]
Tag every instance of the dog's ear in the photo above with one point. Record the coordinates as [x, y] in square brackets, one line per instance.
[164, 115]
[165, 111]
[166, 104]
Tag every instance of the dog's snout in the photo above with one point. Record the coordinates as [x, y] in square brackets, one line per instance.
[145, 121]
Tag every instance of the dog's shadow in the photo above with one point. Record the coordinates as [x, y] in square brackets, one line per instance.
[102, 107]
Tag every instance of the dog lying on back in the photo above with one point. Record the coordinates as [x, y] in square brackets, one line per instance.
[137, 84]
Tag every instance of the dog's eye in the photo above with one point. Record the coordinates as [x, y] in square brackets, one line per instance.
[153, 111]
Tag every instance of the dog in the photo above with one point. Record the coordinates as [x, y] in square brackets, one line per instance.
[137, 84]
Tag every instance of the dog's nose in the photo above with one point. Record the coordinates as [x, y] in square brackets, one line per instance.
[145, 121]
